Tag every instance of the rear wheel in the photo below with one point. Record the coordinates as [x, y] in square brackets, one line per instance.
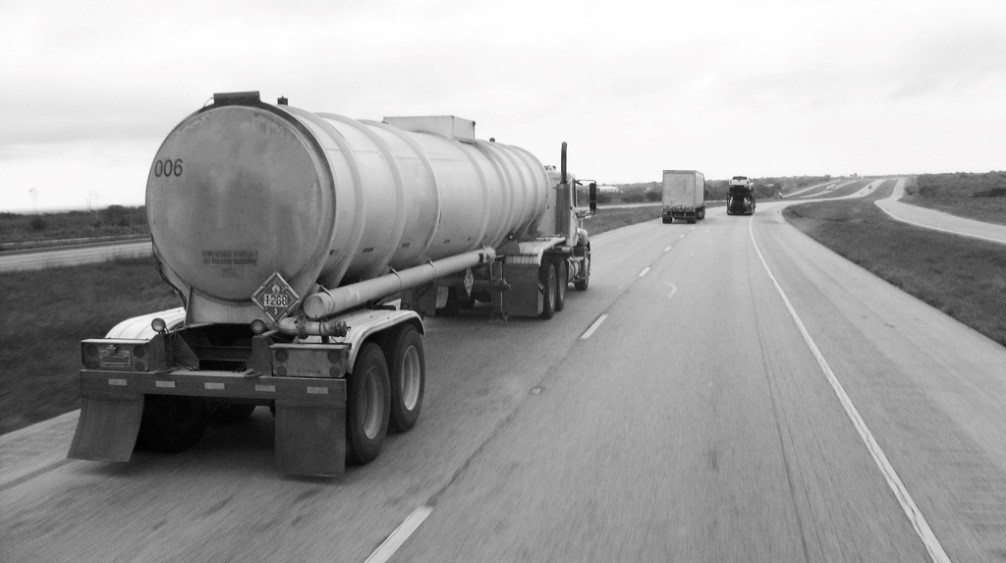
[562, 281]
[172, 424]
[546, 275]
[368, 405]
[666, 220]
[407, 360]
[702, 213]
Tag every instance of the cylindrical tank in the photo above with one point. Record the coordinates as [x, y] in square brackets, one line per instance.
[242, 189]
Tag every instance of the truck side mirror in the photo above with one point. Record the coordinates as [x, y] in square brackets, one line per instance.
[593, 197]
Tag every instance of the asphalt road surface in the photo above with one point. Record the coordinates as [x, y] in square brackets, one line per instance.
[73, 256]
[937, 220]
[725, 391]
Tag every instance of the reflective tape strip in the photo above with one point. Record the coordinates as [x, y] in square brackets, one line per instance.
[119, 382]
[217, 386]
[266, 388]
[165, 384]
[317, 390]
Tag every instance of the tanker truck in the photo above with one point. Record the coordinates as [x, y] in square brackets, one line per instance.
[306, 249]
[741, 196]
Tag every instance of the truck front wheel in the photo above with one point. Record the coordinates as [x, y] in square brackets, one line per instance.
[368, 405]
[562, 279]
[546, 275]
[407, 360]
[172, 424]
[584, 282]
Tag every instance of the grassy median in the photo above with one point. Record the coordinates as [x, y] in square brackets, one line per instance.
[978, 196]
[47, 314]
[965, 278]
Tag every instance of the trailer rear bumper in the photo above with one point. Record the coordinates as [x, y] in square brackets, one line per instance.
[310, 413]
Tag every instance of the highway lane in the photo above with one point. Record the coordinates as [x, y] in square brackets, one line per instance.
[937, 220]
[819, 190]
[693, 424]
[73, 256]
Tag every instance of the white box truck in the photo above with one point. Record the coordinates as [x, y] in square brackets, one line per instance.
[684, 196]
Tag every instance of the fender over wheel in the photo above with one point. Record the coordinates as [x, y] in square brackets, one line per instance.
[368, 407]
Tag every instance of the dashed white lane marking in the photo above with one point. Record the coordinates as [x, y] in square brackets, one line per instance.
[936, 551]
[398, 537]
[593, 327]
[645, 271]
[668, 248]
[707, 230]
[682, 236]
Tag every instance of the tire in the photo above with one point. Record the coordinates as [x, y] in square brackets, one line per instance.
[702, 214]
[583, 284]
[666, 220]
[562, 280]
[172, 424]
[691, 220]
[407, 361]
[230, 413]
[546, 275]
[456, 300]
[368, 405]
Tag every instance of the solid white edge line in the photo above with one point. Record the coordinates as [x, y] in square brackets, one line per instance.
[933, 546]
[645, 271]
[391, 545]
[593, 327]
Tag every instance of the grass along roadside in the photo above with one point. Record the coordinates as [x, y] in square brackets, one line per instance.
[48, 312]
[981, 197]
[964, 278]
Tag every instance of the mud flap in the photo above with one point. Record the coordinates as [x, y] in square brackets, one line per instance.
[107, 428]
[311, 438]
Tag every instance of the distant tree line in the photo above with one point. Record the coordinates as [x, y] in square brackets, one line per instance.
[959, 184]
[112, 221]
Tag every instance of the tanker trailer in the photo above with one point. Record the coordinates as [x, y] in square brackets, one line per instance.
[305, 248]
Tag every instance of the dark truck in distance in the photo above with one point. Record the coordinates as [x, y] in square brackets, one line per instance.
[742, 200]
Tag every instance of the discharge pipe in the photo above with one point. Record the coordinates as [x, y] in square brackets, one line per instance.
[328, 302]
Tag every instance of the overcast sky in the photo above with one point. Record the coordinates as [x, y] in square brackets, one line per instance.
[780, 87]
